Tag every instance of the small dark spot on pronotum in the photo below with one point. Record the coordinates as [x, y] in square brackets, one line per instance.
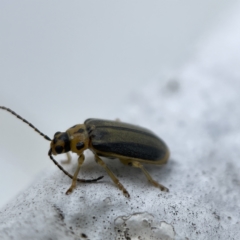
[79, 145]
[80, 130]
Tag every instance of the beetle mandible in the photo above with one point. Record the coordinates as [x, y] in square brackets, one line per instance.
[132, 145]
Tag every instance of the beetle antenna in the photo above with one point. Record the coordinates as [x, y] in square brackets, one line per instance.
[68, 174]
[24, 120]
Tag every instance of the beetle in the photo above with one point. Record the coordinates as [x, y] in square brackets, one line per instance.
[131, 144]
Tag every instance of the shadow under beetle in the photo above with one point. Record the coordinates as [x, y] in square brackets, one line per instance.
[132, 145]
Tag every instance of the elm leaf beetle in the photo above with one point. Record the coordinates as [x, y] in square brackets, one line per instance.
[131, 144]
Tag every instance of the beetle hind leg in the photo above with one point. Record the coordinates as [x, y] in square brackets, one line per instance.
[111, 175]
[146, 173]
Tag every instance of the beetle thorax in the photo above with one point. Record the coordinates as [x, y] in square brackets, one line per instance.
[79, 139]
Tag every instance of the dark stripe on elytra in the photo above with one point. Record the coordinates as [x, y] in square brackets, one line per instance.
[131, 149]
[127, 129]
[80, 130]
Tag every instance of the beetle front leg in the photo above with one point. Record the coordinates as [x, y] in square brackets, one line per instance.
[153, 182]
[68, 160]
[74, 181]
[112, 176]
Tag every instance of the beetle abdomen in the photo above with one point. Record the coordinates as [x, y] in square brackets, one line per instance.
[110, 137]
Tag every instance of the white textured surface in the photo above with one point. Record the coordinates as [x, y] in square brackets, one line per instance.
[196, 111]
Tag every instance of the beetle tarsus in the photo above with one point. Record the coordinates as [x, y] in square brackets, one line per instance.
[126, 194]
[164, 189]
[69, 191]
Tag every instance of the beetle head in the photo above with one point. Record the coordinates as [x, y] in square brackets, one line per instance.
[60, 143]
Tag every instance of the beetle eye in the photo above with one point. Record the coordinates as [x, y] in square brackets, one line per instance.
[58, 149]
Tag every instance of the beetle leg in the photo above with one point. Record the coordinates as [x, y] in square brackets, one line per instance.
[153, 182]
[68, 160]
[111, 175]
[74, 181]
